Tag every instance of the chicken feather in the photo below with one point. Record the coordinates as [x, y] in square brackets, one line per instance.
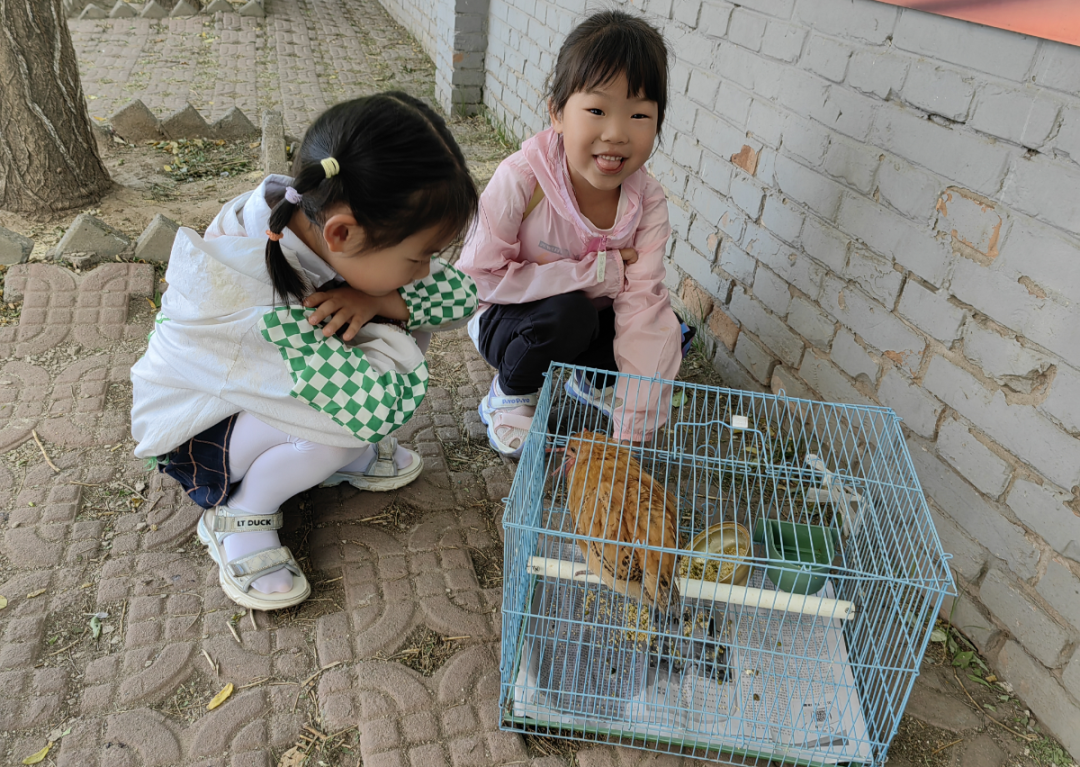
[613, 498]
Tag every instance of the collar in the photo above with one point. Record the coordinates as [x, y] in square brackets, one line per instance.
[256, 217]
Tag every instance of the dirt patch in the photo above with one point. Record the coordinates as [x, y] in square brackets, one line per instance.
[470, 455]
[697, 368]
[10, 311]
[445, 363]
[314, 747]
[425, 651]
[188, 702]
[540, 746]
[488, 564]
[190, 179]
[922, 745]
[143, 188]
[483, 148]
[398, 514]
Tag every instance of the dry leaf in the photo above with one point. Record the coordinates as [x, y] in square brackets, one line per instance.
[39, 756]
[294, 757]
[221, 697]
[3, 602]
[37, 593]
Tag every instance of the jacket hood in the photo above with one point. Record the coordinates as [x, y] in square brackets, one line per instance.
[225, 270]
[546, 157]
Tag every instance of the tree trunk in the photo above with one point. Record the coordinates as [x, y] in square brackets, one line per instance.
[49, 159]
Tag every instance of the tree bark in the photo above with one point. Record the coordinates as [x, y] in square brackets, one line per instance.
[49, 160]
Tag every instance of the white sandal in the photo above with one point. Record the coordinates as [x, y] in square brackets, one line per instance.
[507, 428]
[237, 576]
[383, 473]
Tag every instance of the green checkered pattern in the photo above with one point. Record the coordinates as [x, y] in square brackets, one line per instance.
[439, 299]
[339, 381]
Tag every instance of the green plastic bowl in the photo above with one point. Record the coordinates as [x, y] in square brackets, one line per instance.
[799, 555]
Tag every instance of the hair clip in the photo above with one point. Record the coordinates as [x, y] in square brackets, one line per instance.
[274, 236]
[293, 196]
[330, 166]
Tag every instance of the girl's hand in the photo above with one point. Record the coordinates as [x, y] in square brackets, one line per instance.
[629, 255]
[340, 306]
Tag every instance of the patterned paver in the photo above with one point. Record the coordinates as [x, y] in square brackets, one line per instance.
[303, 57]
[100, 535]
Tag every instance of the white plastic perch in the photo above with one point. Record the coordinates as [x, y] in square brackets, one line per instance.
[714, 592]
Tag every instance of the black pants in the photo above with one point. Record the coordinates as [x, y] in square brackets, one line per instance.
[521, 340]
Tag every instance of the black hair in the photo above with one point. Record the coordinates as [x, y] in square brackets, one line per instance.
[400, 172]
[604, 46]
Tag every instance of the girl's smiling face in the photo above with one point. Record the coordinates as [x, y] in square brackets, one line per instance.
[607, 136]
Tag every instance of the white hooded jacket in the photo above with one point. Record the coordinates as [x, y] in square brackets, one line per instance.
[221, 345]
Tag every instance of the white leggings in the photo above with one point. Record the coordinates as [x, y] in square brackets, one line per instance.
[276, 466]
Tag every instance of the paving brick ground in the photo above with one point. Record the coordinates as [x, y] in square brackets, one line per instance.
[98, 534]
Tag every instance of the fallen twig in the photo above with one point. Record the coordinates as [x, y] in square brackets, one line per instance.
[41, 447]
[942, 748]
[310, 679]
[69, 646]
[980, 709]
[327, 667]
[232, 628]
[259, 681]
[133, 491]
[213, 666]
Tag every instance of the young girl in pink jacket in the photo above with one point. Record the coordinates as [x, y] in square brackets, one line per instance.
[568, 251]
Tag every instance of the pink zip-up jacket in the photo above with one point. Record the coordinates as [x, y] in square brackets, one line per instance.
[555, 250]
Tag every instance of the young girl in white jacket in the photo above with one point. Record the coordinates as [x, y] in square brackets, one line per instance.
[241, 397]
[568, 251]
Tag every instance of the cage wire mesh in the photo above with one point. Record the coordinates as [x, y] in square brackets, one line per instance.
[758, 581]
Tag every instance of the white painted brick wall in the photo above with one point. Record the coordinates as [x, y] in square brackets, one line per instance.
[911, 238]
[454, 34]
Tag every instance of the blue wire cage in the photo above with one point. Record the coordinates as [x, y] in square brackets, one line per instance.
[807, 567]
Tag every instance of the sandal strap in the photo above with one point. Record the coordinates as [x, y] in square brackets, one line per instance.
[383, 465]
[228, 521]
[511, 401]
[247, 570]
[503, 421]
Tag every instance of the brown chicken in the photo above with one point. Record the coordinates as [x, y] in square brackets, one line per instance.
[611, 497]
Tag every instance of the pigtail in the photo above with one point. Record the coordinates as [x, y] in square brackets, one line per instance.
[288, 283]
[289, 286]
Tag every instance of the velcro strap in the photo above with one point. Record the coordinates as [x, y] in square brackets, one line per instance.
[385, 448]
[516, 400]
[228, 521]
[249, 569]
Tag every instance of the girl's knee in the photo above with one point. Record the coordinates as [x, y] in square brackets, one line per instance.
[326, 455]
[572, 313]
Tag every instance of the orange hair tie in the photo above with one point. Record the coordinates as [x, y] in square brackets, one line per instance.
[274, 236]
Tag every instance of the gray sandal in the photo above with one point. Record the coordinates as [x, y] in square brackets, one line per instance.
[237, 576]
[383, 474]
